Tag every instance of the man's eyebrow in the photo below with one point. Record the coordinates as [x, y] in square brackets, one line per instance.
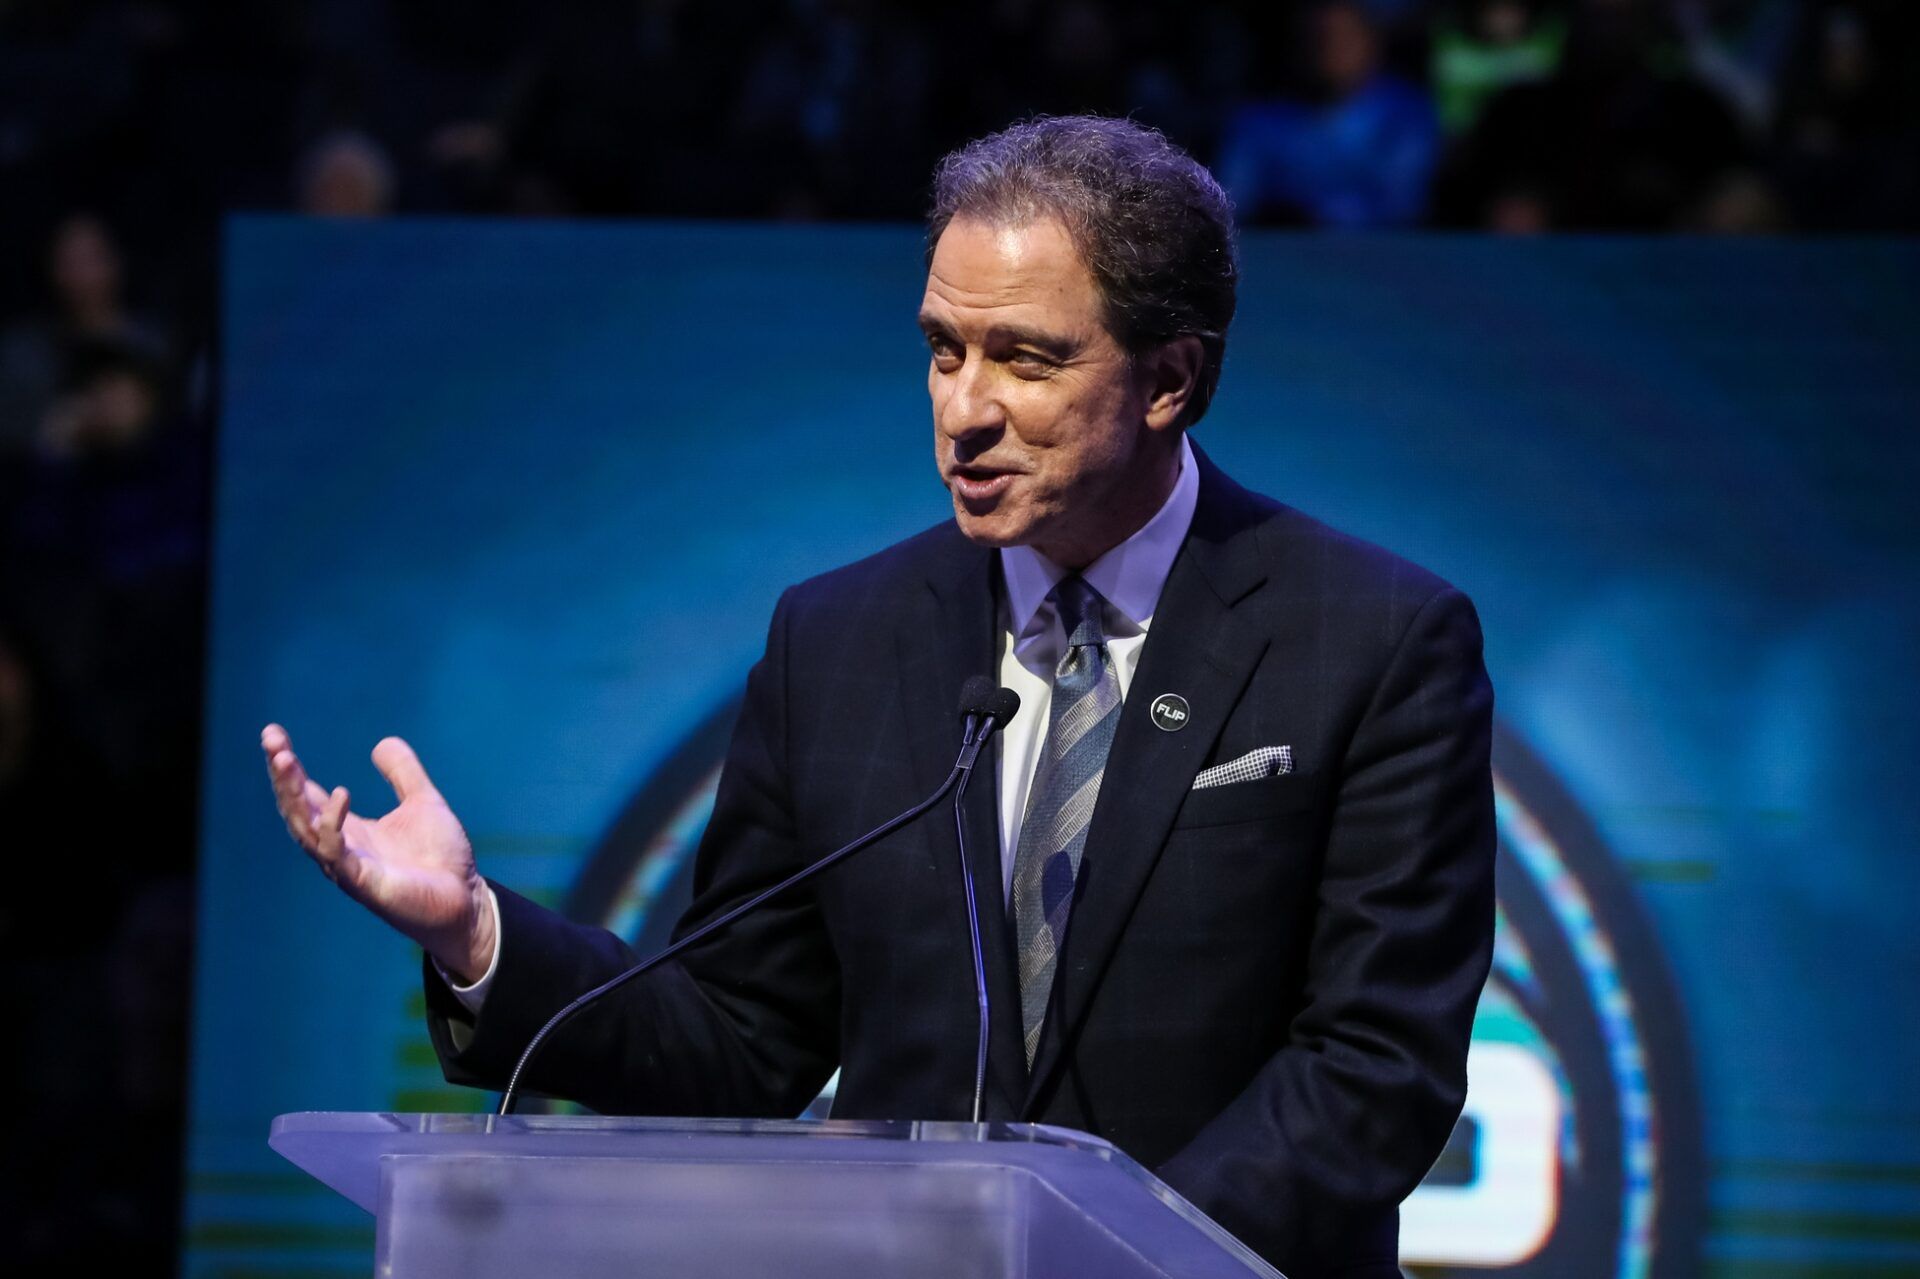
[1055, 344]
[1006, 334]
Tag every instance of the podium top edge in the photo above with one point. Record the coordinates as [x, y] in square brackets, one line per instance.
[394, 1123]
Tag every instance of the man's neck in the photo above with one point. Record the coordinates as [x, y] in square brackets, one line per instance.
[1137, 502]
[1129, 575]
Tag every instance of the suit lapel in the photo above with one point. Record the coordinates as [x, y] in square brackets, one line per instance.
[954, 634]
[1198, 649]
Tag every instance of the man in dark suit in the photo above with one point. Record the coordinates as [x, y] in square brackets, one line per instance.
[1244, 820]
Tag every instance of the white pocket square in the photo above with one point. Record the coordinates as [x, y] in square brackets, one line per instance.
[1268, 761]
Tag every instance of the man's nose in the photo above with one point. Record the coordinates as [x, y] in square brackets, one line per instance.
[967, 405]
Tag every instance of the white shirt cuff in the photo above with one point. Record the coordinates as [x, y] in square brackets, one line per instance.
[475, 995]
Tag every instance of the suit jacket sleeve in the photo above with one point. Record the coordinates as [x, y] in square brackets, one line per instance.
[1343, 1121]
[745, 1024]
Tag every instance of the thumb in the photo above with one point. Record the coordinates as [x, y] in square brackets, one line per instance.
[401, 767]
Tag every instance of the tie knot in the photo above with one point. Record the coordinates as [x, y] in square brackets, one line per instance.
[1079, 607]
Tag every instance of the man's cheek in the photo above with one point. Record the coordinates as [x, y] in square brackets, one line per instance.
[1040, 495]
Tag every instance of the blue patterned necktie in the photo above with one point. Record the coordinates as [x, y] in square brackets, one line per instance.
[1080, 722]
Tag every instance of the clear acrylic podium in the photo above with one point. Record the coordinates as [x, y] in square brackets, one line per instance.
[580, 1197]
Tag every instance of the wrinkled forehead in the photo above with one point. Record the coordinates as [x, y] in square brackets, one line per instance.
[1003, 268]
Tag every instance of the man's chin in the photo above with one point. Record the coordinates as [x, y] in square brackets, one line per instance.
[993, 529]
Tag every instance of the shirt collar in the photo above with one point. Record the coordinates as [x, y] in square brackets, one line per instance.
[1129, 577]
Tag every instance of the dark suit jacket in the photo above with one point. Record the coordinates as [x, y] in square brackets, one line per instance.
[1266, 987]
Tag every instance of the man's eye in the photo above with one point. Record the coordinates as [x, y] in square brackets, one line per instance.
[1030, 362]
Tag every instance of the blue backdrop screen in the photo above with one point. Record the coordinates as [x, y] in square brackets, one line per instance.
[525, 494]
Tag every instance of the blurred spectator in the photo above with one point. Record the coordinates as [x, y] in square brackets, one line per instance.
[1187, 73]
[1482, 46]
[16, 719]
[107, 406]
[346, 175]
[86, 306]
[1739, 48]
[102, 557]
[1519, 207]
[1622, 138]
[1355, 151]
[1082, 59]
[1740, 202]
[621, 107]
[835, 102]
[1849, 126]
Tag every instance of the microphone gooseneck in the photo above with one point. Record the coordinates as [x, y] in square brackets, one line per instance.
[987, 709]
[979, 707]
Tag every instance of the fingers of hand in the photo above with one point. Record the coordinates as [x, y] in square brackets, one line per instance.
[329, 843]
[291, 791]
[402, 769]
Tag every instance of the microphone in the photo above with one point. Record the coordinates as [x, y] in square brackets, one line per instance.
[987, 709]
[984, 710]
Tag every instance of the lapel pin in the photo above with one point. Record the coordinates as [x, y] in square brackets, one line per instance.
[1170, 712]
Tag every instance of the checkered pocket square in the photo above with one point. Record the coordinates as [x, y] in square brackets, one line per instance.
[1268, 761]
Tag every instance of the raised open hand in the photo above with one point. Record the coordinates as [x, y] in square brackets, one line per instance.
[413, 867]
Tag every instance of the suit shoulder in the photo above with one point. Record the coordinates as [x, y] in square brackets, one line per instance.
[1356, 586]
[1306, 555]
[1346, 560]
[1374, 606]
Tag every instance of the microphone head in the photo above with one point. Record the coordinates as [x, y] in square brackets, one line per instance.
[978, 696]
[975, 694]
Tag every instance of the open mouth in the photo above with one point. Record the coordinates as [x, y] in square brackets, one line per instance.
[980, 484]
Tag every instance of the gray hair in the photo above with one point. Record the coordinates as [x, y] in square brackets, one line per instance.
[1151, 224]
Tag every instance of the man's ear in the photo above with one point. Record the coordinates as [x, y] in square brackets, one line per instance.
[1173, 375]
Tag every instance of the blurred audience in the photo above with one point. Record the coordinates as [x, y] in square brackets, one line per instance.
[160, 115]
[129, 128]
[1739, 48]
[85, 308]
[345, 175]
[1482, 46]
[1845, 147]
[1354, 148]
[103, 528]
[1619, 138]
